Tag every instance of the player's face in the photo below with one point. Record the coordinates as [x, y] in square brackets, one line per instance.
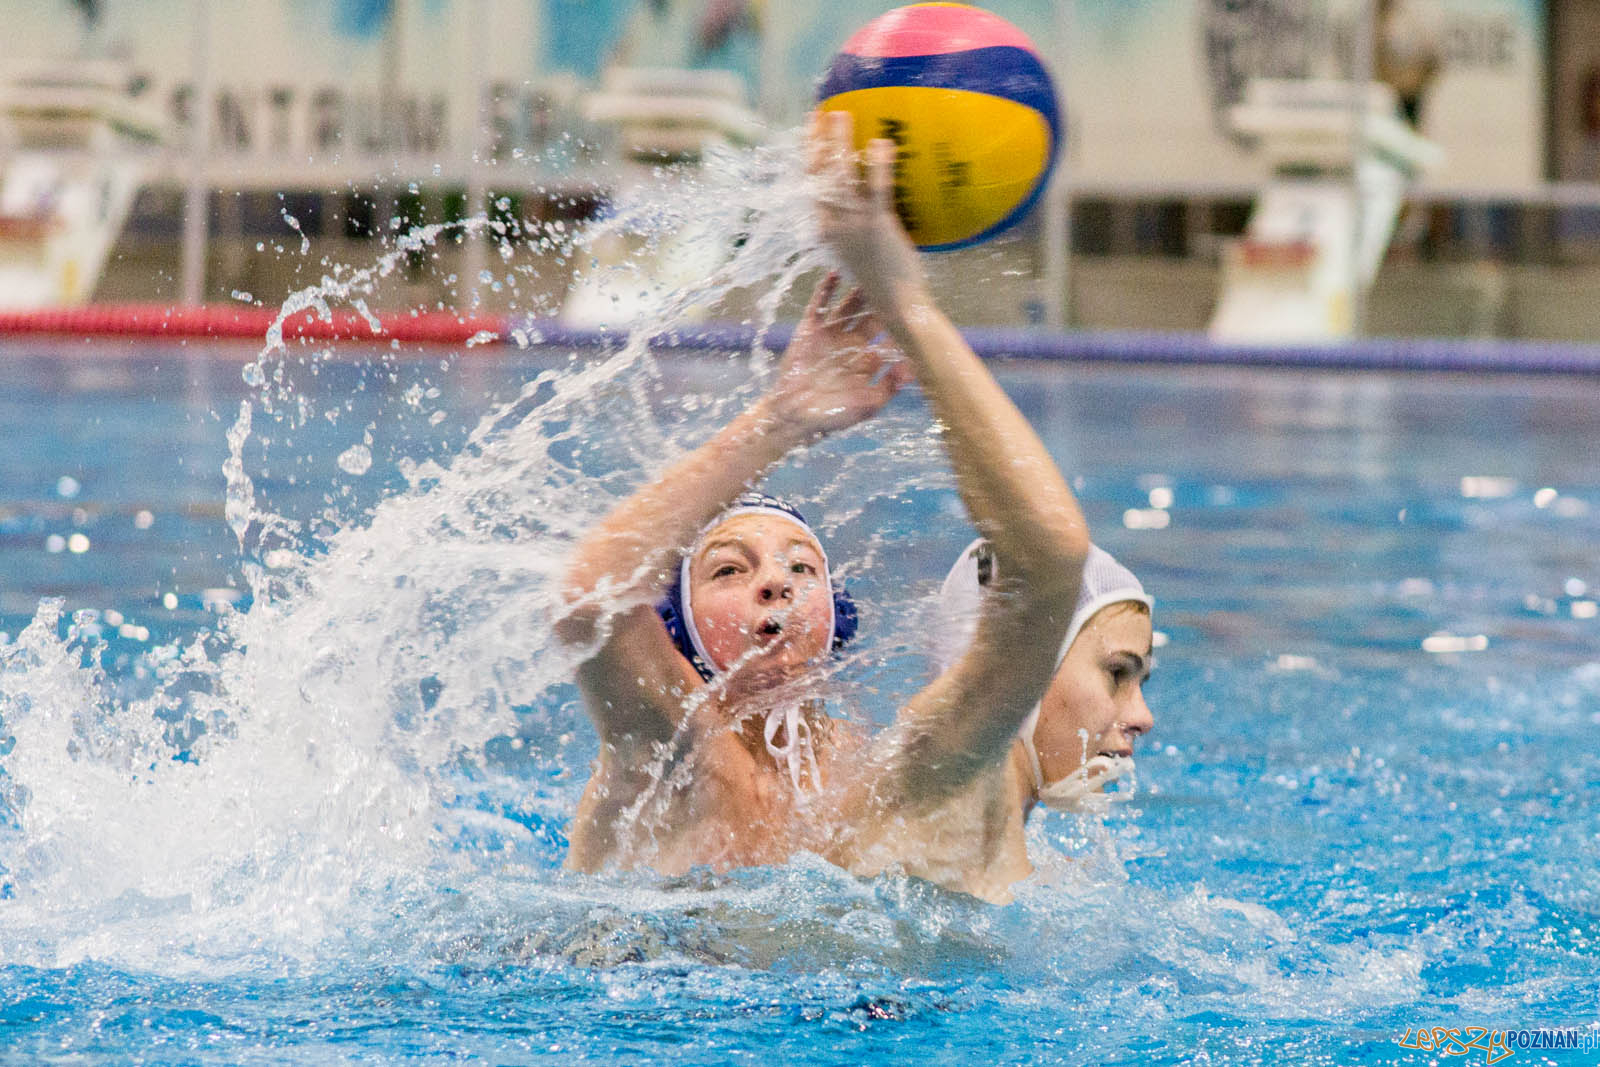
[759, 594]
[1095, 704]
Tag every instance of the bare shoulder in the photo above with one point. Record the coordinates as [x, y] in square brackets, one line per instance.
[972, 841]
[848, 734]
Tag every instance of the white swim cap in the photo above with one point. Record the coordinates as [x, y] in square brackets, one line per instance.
[1105, 582]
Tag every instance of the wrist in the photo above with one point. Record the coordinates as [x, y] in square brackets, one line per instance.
[894, 291]
[784, 424]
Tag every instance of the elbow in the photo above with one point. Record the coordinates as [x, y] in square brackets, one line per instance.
[580, 606]
[934, 764]
[577, 622]
[928, 779]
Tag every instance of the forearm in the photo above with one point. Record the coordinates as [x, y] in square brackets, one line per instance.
[1010, 484]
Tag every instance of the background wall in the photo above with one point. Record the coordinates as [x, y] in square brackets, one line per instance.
[1146, 82]
[1575, 91]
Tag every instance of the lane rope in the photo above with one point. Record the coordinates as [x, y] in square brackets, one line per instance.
[488, 332]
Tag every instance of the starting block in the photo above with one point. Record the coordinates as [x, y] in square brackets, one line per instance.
[1341, 160]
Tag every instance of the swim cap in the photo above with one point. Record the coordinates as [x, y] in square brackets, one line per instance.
[675, 609]
[1105, 582]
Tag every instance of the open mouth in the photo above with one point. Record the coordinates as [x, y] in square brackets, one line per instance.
[769, 630]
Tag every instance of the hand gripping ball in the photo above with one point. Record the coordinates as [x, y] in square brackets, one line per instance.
[970, 107]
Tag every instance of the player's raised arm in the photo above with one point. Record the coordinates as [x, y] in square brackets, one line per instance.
[968, 718]
[633, 677]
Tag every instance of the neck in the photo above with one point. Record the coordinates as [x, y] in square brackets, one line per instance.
[1022, 778]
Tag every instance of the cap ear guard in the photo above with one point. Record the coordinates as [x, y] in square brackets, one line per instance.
[846, 621]
[670, 608]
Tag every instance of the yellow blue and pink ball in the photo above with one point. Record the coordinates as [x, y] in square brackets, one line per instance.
[970, 106]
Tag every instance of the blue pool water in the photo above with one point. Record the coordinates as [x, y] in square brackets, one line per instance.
[304, 801]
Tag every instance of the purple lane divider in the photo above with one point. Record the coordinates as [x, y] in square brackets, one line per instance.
[1387, 354]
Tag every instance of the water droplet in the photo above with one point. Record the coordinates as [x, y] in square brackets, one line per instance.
[1487, 486]
[78, 544]
[67, 487]
[357, 459]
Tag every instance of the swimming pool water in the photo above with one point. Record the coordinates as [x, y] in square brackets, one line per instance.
[1367, 804]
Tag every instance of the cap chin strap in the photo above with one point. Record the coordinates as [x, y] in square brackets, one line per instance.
[1079, 790]
[1025, 735]
[796, 749]
[1083, 789]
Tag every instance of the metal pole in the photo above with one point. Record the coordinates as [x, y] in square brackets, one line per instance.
[772, 88]
[1361, 68]
[197, 196]
[1058, 198]
[390, 73]
[472, 241]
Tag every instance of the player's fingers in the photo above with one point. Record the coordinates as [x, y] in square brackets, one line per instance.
[880, 170]
[822, 294]
[815, 146]
[852, 306]
[895, 375]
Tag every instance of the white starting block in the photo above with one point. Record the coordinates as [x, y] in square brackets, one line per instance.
[667, 115]
[661, 115]
[1341, 160]
[74, 150]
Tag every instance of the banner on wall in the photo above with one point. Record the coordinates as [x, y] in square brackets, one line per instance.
[312, 83]
[1146, 83]
[1151, 81]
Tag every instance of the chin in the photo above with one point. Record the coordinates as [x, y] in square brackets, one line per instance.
[776, 667]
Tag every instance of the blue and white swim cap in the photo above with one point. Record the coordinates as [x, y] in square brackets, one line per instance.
[677, 612]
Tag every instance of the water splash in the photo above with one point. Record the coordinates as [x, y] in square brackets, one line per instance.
[295, 771]
[375, 759]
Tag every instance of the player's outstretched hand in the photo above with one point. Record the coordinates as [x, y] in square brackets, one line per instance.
[856, 212]
[834, 373]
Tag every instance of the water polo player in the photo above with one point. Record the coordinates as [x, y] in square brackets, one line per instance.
[718, 751]
[1077, 741]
